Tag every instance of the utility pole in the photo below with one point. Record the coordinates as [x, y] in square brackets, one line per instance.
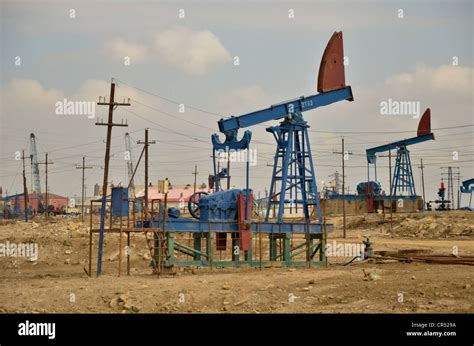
[458, 174]
[423, 183]
[83, 167]
[344, 157]
[195, 177]
[31, 172]
[25, 189]
[46, 163]
[112, 105]
[450, 186]
[390, 180]
[146, 144]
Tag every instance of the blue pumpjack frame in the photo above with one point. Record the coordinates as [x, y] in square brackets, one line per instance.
[293, 168]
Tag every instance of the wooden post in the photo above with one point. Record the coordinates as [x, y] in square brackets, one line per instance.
[25, 189]
[83, 167]
[146, 143]
[110, 124]
[46, 163]
[90, 242]
[195, 177]
[390, 177]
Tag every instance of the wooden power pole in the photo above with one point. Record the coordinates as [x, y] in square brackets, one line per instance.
[195, 177]
[423, 182]
[46, 163]
[83, 167]
[390, 180]
[25, 188]
[344, 157]
[110, 124]
[146, 143]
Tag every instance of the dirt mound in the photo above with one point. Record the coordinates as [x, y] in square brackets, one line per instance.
[456, 224]
[432, 225]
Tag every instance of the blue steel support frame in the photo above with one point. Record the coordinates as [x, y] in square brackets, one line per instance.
[292, 170]
[402, 180]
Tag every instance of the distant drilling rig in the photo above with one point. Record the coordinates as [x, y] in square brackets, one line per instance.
[35, 168]
[128, 158]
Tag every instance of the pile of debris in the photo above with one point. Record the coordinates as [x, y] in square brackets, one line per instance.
[45, 229]
[434, 225]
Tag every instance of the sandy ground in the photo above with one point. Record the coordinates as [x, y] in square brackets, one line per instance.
[57, 282]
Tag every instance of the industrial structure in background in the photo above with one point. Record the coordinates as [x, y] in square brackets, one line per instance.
[442, 203]
[35, 202]
[36, 172]
[128, 158]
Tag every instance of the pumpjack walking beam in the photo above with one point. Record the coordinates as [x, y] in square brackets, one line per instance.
[83, 197]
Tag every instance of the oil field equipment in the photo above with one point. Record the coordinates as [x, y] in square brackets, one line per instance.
[467, 187]
[36, 172]
[293, 184]
[402, 179]
[442, 203]
[373, 186]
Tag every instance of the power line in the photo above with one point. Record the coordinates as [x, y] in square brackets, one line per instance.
[167, 99]
[315, 131]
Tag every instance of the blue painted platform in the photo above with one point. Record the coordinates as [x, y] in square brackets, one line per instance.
[364, 197]
[191, 225]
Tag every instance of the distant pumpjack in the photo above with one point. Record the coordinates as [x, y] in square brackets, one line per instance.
[402, 179]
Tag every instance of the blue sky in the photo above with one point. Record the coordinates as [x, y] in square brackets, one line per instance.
[190, 60]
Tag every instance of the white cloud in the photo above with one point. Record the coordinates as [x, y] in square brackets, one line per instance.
[27, 102]
[456, 78]
[23, 99]
[447, 78]
[193, 52]
[119, 48]
[446, 89]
